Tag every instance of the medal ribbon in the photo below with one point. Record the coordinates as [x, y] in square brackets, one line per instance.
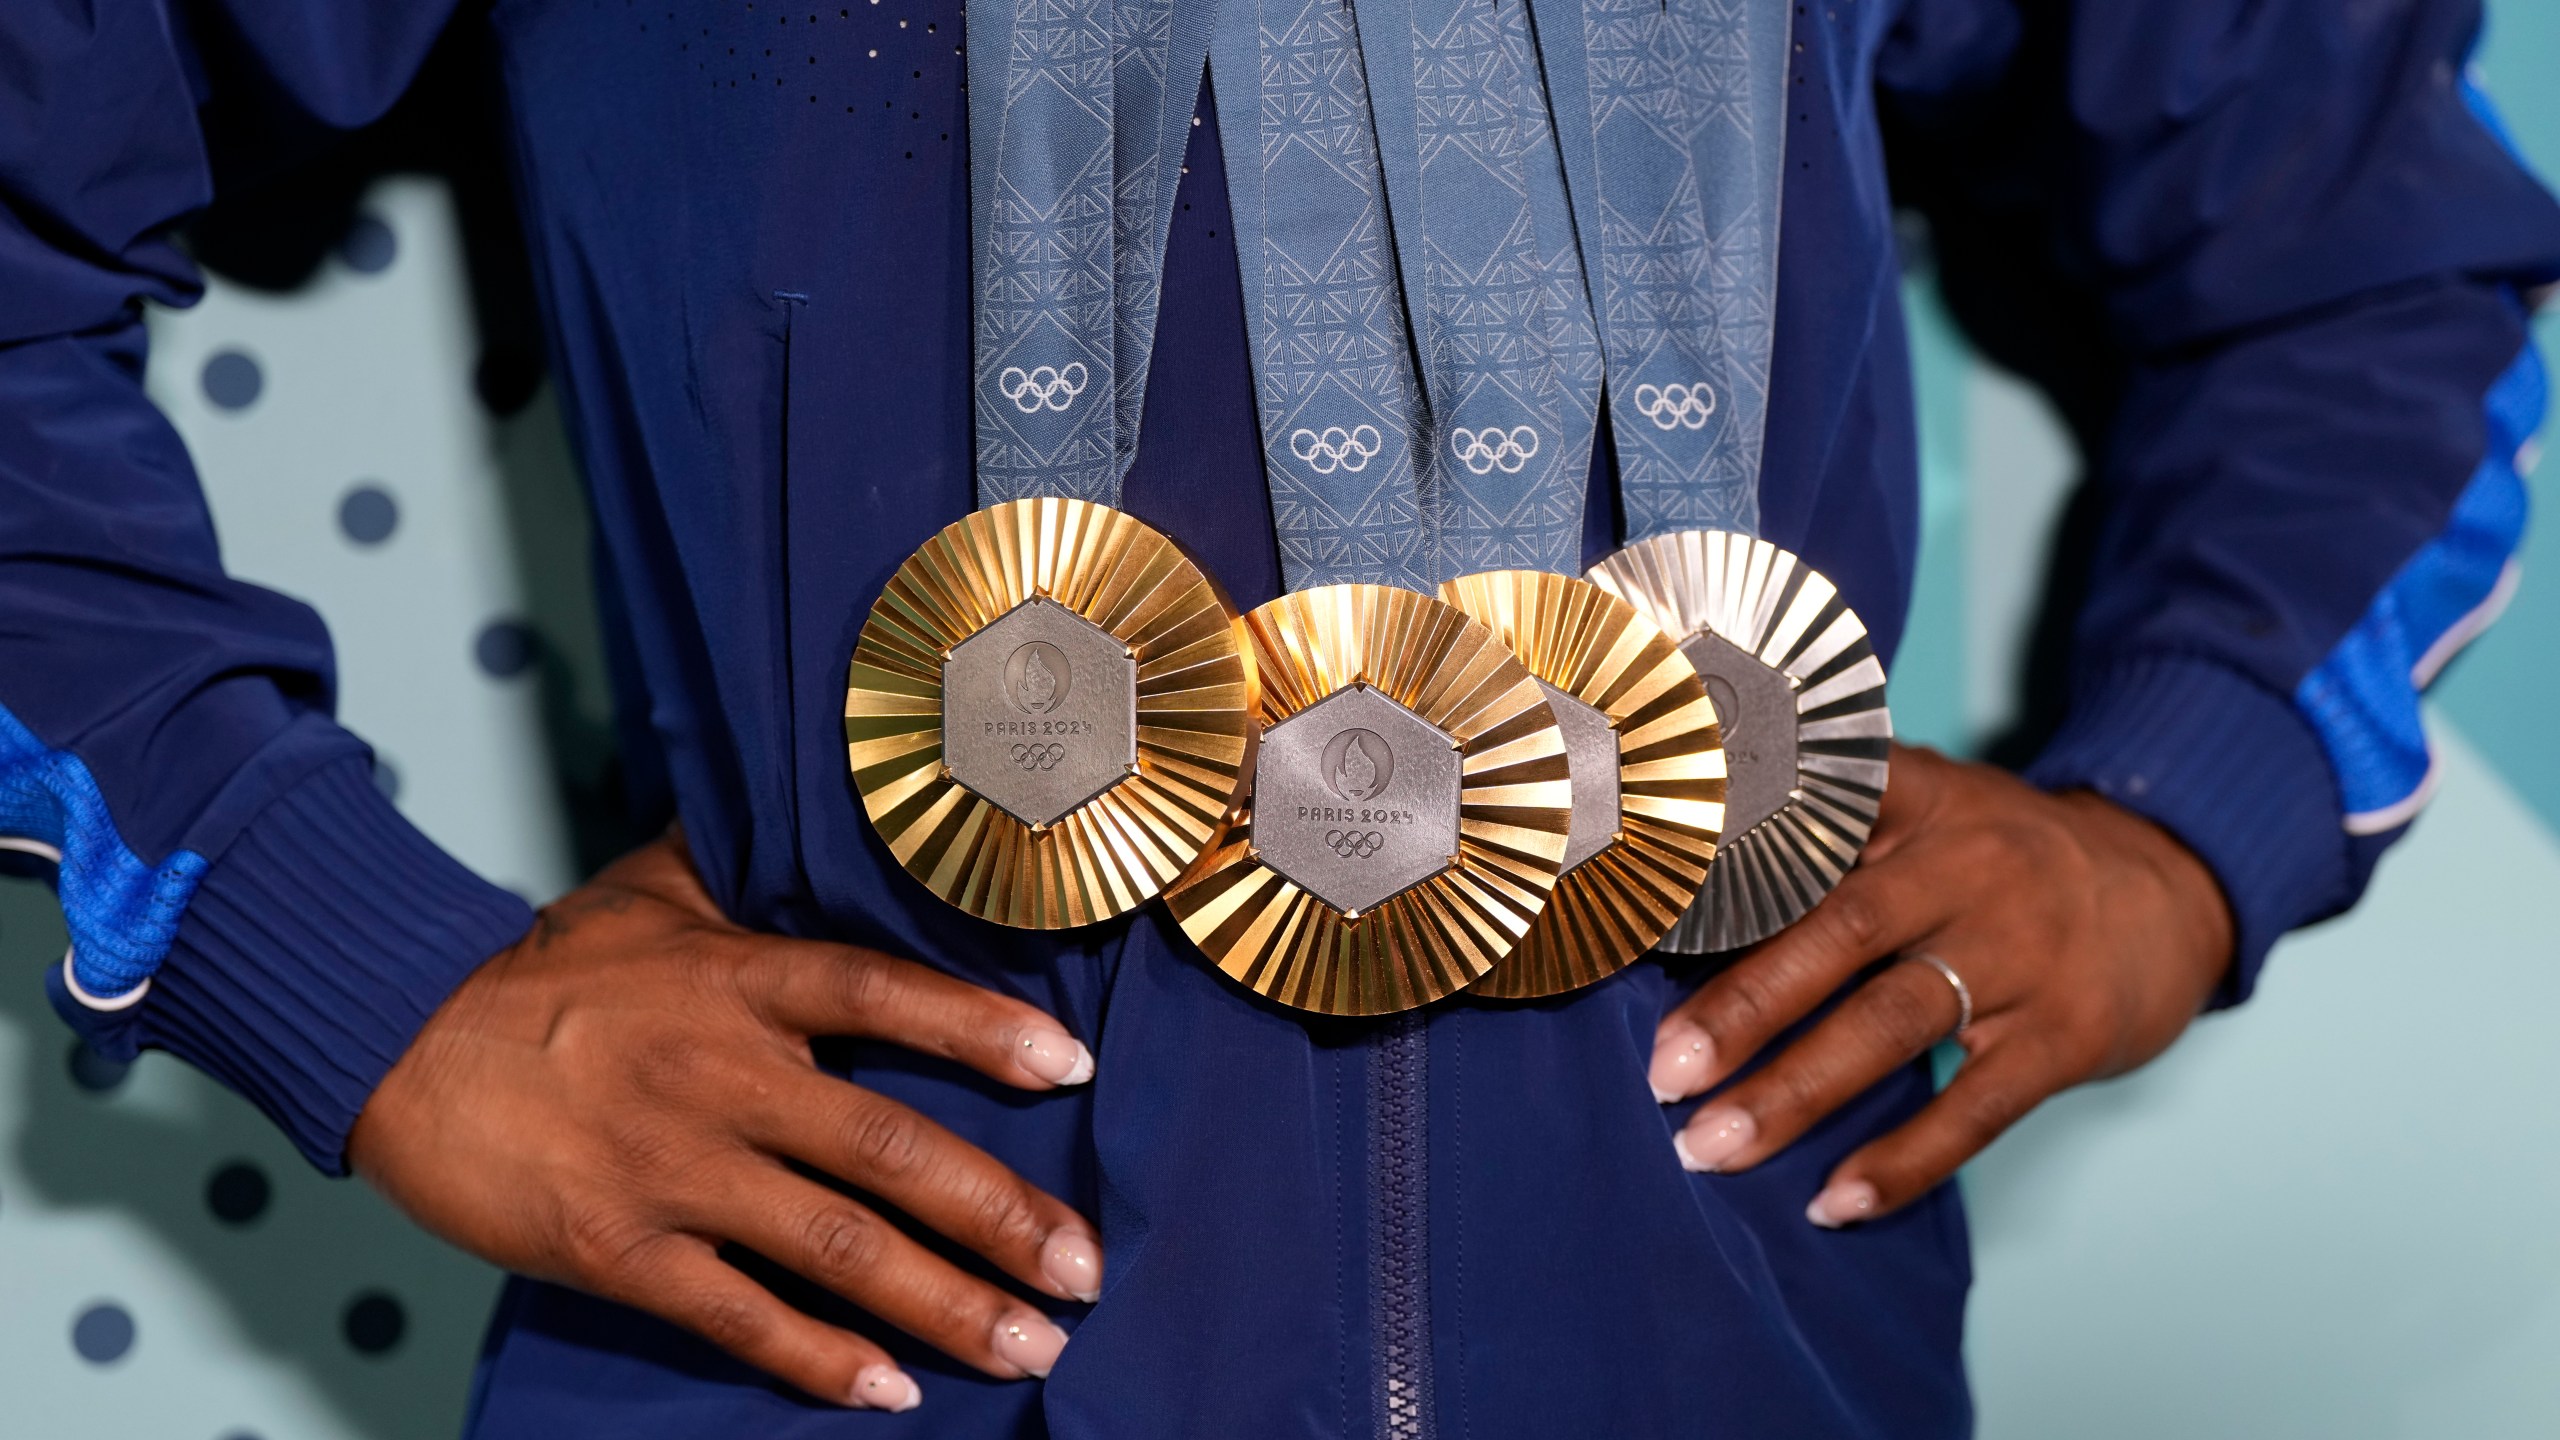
[1571, 187]
[1070, 202]
[1333, 376]
[1395, 150]
[1511, 363]
[1672, 119]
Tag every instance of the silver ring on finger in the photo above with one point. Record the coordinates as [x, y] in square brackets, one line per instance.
[1964, 992]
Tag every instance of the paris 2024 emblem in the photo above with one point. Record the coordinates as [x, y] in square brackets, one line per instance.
[1358, 765]
[1039, 711]
[1349, 814]
[1037, 678]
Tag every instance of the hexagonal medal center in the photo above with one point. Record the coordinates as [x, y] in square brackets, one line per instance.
[1756, 708]
[1040, 711]
[1591, 758]
[1355, 799]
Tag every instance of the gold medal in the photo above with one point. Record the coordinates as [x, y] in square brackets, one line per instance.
[1409, 814]
[1800, 696]
[1648, 774]
[1049, 713]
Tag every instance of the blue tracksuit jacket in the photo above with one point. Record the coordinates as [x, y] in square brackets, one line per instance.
[2271, 257]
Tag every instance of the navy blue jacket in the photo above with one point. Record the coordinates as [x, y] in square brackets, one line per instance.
[2270, 256]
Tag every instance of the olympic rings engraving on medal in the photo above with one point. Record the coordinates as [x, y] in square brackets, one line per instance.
[1039, 757]
[1042, 386]
[1672, 407]
[1483, 451]
[1335, 448]
[1354, 844]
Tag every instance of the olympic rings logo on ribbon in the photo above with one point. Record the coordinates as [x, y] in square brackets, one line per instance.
[1483, 451]
[1354, 844]
[1047, 385]
[1671, 407]
[1039, 757]
[1336, 448]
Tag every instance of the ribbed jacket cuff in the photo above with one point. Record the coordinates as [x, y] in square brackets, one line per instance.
[2231, 770]
[316, 947]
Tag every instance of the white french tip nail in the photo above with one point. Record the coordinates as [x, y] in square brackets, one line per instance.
[886, 1387]
[1664, 1097]
[1680, 1146]
[1054, 1056]
[1841, 1202]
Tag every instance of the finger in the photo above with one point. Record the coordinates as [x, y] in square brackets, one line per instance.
[679, 1279]
[814, 988]
[1877, 910]
[851, 1250]
[1889, 1022]
[878, 1145]
[1915, 780]
[1993, 1091]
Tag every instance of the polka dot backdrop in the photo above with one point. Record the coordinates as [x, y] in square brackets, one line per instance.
[169, 1269]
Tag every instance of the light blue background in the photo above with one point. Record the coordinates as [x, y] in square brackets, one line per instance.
[2319, 1217]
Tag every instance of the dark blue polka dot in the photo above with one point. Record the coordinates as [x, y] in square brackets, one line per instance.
[368, 514]
[102, 1334]
[238, 1193]
[374, 1323]
[95, 1072]
[233, 380]
[369, 245]
[386, 778]
[505, 648]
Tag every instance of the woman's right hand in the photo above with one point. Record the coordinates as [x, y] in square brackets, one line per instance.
[621, 1092]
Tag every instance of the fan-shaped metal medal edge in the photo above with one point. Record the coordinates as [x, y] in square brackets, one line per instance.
[1195, 703]
[1440, 935]
[1768, 602]
[1600, 649]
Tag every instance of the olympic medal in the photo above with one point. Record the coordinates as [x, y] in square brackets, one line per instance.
[1800, 696]
[1642, 743]
[1410, 808]
[1049, 713]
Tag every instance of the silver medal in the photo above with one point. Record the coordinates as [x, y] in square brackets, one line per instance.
[1800, 696]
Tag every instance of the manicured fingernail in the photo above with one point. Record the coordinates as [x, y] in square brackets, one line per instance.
[1054, 1056]
[1029, 1344]
[885, 1387]
[1842, 1202]
[1714, 1135]
[1681, 1054]
[1073, 1263]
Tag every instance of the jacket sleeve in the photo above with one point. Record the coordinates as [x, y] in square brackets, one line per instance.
[2274, 261]
[236, 889]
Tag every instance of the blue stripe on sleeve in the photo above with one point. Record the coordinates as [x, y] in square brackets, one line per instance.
[122, 914]
[2363, 699]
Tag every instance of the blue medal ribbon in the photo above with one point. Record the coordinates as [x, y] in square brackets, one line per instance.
[1070, 202]
[1485, 237]
[1334, 378]
[1671, 117]
[1541, 196]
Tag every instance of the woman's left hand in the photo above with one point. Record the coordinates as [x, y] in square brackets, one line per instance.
[2087, 937]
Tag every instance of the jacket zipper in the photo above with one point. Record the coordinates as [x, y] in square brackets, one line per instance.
[1400, 1227]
